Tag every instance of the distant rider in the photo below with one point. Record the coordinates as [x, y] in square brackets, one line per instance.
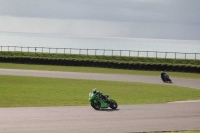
[104, 97]
[163, 74]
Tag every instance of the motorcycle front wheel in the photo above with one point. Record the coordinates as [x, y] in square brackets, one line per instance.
[113, 104]
[96, 105]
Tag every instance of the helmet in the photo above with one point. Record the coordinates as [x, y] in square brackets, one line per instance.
[94, 90]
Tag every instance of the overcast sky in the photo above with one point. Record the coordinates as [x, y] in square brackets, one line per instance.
[164, 19]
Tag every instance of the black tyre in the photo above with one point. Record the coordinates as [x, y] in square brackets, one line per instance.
[96, 106]
[113, 104]
[163, 79]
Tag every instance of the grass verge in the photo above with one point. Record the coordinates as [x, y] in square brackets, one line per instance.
[18, 91]
[178, 132]
[95, 70]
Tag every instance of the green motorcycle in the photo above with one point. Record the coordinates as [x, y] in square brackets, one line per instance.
[97, 102]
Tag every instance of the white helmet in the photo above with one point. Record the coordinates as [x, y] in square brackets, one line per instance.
[94, 90]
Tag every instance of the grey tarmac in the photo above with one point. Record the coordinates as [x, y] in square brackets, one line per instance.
[84, 119]
[127, 118]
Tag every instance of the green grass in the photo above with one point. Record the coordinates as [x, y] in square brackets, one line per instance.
[17, 91]
[96, 70]
[103, 58]
[178, 132]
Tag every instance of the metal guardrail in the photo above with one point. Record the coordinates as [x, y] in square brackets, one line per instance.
[104, 52]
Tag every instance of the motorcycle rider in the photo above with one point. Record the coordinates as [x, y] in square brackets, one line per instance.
[104, 97]
[163, 74]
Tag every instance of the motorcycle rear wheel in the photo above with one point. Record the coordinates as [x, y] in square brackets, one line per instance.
[170, 80]
[113, 104]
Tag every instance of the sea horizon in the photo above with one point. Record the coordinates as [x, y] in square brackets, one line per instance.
[99, 42]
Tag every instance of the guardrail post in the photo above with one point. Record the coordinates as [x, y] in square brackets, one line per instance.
[195, 56]
[87, 52]
[35, 49]
[112, 52]
[79, 51]
[185, 56]
[156, 54]
[175, 55]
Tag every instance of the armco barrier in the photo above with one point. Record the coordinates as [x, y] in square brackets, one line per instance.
[130, 65]
[192, 69]
[163, 67]
[48, 61]
[181, 68]
[198, 69]
[95, 63]
[79, 63]
[100, 64]
[146, 66]
[169, 68]
[124, 65]
[25, 60]
[40, 61]
[7, 59]
[120, 65]
[90, 63]
[174, 68]
[62, 62]
[86, 62]
[107, 64]
[141, 66]
[45, 61]
[187, 69]
[157, 67]
[151, 66]
[184, 68]
[115, 64]
[136, 66]
[82, 63]
[111, 64]
[74, 62]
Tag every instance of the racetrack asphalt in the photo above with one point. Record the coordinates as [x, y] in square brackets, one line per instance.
[84, 119]
[127, 118]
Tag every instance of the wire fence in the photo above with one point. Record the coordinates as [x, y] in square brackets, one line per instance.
[102, 52]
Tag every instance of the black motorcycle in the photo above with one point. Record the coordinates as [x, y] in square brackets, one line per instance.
[166, 78]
